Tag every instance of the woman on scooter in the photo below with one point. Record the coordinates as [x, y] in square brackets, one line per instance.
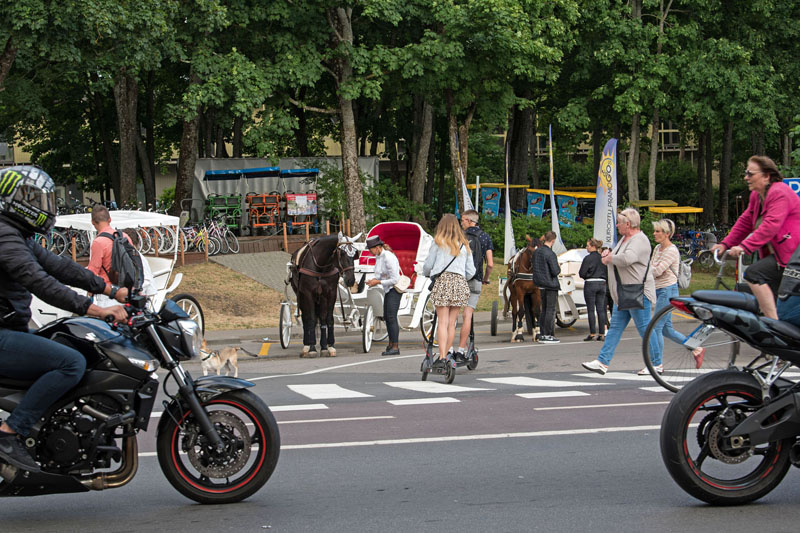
[450, 262]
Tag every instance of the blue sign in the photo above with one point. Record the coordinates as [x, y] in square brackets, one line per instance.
[535, 204]
[794, 184]
[567, 210]
[490, 201]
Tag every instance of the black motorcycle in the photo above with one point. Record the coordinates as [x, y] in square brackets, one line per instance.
[729, 437]
[216, 441]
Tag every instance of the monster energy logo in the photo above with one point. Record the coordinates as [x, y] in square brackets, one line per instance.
[9, 182]
[41, 219]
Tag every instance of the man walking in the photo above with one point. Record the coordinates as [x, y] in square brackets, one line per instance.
[545, 276]
[475, 235]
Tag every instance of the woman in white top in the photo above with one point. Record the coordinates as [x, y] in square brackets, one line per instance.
[666, 264]
[387, 274]
[450, 259]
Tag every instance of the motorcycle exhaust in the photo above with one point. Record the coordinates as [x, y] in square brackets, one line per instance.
[794, 454]
[122, 476]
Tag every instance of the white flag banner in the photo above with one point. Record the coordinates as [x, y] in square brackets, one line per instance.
[558, 246]
[465, 193]
[605, 206]
[477, 192]
[510, 248]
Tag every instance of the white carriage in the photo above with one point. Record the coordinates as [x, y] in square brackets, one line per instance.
[362, 308]
[571, 304]
[161, 267]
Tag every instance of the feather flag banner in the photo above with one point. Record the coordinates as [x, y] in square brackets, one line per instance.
[605, 207]
[558, 246]
[510, 246]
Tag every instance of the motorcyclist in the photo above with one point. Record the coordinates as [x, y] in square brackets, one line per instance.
[27, 207]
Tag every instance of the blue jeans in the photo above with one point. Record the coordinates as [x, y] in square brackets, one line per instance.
[55, 367]
[664, 327]
[391, 303]
[619, 321]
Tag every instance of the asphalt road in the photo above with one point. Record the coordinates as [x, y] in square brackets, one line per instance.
[528, 441]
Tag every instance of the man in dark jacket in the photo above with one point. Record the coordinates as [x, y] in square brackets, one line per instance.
[545, 276]
[27, 206]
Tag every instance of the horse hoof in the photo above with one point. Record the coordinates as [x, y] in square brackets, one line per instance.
[324, 353]
[308, 354]
[519, 338]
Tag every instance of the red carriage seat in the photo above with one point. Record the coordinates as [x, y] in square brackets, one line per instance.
[403, 238]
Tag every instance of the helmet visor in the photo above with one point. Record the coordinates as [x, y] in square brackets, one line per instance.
[37, 198]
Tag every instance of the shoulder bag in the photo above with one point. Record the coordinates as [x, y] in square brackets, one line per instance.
[631, 295]
[436, 276]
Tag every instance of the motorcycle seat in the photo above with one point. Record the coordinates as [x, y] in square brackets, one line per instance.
[737, 300]
[784, 328]
[16, 383]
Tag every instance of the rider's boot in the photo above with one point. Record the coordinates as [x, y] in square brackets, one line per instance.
[14, 452]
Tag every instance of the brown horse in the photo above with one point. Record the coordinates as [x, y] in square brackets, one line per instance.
[519, 285]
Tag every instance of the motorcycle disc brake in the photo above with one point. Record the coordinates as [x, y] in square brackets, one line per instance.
[724, 455]
[234, 435]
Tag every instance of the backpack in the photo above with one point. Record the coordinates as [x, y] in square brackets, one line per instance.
[477, 254]
[126, 263]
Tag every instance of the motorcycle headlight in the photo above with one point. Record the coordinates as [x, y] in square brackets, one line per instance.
[191, 336]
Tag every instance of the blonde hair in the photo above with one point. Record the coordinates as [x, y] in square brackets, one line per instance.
[665, 225]
[449, 235]
[595, 243]
[631, 215]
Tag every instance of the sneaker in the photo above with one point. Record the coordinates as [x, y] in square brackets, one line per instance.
[548, 339]
[460, 355]
[698, 357]
[589, 337]
[596, 366]
[391, 351]
[14, 453]
[646, 372]
[601, 338]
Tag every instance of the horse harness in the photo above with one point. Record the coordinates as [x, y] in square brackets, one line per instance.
[521, 276]
[308, 249]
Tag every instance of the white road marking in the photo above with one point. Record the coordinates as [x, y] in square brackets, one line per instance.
[536, 382]
[326, 391]
[346, 419]
[299, 407]
[632, 376]
[553, 394]
[424, 401]
[655, 389]
[431, 387]
[637, 404]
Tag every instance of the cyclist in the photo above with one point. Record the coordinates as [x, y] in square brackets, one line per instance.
[27, 206]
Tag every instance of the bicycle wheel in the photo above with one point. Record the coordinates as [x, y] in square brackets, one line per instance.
[222, 243]
[59, 245]
[679, 363]
[231, 241]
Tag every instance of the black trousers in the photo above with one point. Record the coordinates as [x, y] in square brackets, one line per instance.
[548, 319]
[391, 303]
[594, 292]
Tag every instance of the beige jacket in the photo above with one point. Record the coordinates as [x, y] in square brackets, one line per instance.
[630, 259]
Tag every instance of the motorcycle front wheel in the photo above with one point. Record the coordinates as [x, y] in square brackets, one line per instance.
[252, 446]
[699, 457]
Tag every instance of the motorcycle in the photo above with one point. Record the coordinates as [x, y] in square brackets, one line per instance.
[216, 441]
[729, 437]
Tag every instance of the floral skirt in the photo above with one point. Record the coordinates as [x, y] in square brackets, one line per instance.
[450, 290]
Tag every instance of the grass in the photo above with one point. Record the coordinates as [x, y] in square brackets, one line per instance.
[230, 300]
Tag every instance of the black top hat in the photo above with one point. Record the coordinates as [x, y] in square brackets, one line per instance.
[374, 241]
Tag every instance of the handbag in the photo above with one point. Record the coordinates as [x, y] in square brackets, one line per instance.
[631, 295]
[436, 276]
[403, 282]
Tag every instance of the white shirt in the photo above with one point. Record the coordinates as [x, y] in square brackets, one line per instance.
[387, 269]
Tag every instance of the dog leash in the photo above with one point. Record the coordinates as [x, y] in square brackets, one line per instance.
[210, 354]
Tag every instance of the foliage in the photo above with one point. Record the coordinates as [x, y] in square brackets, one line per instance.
[167, 196]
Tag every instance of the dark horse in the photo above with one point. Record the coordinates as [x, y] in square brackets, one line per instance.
[315, 270]
[520, 289]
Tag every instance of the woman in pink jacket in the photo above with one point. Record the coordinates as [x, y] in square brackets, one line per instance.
[770, 225]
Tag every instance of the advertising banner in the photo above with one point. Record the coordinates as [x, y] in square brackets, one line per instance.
[558, 246]
[535, 204]
[490, 199]
[605, 207]
[567, 210]
[301, 204]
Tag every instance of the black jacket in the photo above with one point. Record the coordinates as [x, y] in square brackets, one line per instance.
[545, 268]
[26, 267]
[593, 267]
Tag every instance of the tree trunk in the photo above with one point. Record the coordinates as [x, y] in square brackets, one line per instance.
[522, 122]
[701, 169]
[126, 95]
[238, 125]
[787, 150]
[6, 61]
[442, 157]
[708, 210]
[597, 147]
[416, 187]
[149, 124]
[148, 179]
[459, 144]
[651, 172]
[534, 151]
[219, 141]
[431, 177]
[110, 159]
[187, 159]
[633, 159]
[725, 171]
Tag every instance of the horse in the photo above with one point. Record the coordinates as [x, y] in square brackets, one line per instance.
[314, 275]
[519, 285]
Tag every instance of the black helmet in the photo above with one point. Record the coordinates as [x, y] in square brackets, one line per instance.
[27, 196]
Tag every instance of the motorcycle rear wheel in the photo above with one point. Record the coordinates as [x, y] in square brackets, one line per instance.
[700, 459]
[246, 466]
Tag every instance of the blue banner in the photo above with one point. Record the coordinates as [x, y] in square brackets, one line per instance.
[535, 204]
[490, 198]
[605, 208]
[567, 210]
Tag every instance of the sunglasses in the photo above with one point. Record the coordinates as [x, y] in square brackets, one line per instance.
[750, 173]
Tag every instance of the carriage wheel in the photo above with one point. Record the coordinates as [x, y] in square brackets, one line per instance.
[379, 331]
[494, 318]
[562, 324]
[426, 325]
[189, 303]
[366, 329]
[285, 326]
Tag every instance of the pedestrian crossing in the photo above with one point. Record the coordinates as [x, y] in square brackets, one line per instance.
[435, 392]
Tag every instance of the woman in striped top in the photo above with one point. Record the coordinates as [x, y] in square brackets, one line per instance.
[666, 265]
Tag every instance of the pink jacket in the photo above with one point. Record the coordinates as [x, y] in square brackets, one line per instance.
[780, 224]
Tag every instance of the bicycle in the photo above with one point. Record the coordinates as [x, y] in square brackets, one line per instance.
[679, 365]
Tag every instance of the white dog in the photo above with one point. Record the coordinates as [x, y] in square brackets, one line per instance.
[226, 357]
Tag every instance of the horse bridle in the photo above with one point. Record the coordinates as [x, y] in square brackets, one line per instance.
[333, 272]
